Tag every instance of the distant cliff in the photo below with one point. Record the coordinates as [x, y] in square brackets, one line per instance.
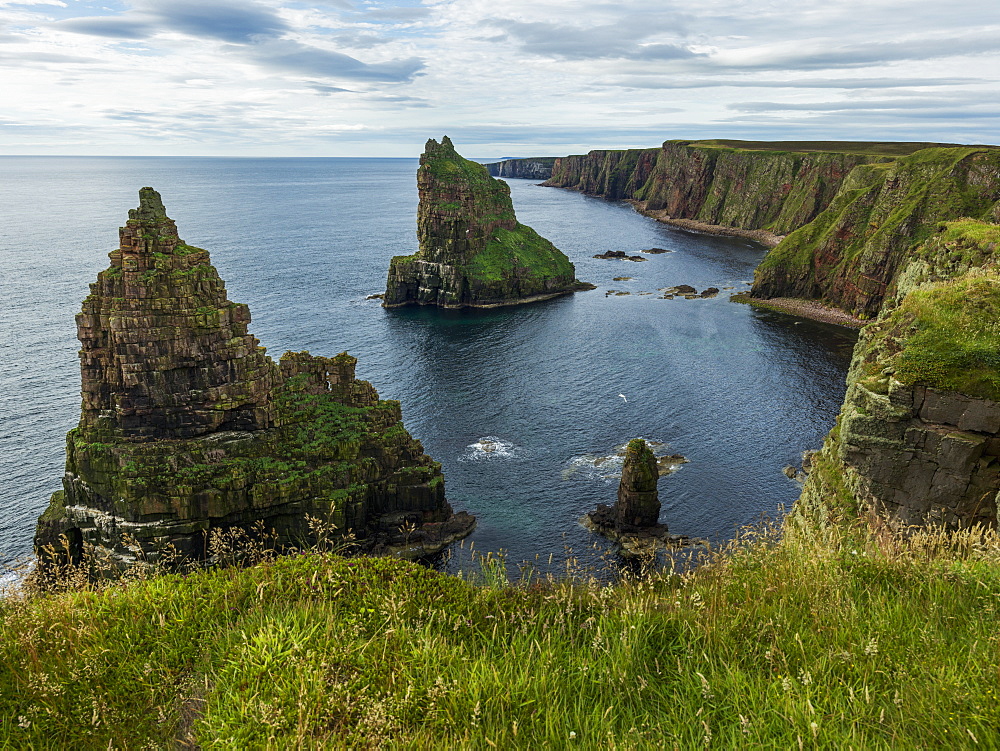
[850, 255]
[473, 251]
[776, 191]
[536, 168]
[188, 427]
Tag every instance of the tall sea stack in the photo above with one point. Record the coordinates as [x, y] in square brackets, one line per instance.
[638, 500]
[187, 426]
[633, 521]
[473, 252]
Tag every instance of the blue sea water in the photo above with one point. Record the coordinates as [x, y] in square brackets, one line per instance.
[519, 404]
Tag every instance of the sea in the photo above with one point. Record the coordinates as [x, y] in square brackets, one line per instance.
[525, 407]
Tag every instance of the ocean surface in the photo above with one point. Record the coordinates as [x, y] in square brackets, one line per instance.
[525, 407]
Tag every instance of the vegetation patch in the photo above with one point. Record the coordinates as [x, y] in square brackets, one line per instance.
[832, 637]
[949, 336]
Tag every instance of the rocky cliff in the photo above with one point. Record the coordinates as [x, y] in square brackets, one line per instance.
[850, 254]
[727, 186]
[187, 426]
[918, 437]
[537, 168]
[473, 251]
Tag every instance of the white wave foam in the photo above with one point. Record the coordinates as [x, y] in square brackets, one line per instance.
[608, 467]
[489, 448]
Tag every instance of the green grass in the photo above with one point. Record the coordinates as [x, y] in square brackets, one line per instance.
[949, 336]
[521, 248]
[874, 148]
[831, 638]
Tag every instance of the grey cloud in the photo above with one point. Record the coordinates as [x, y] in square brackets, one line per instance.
[254, 30]
[228, 21]
[573, 43]
[129, 26]
[676, 82]
[398, 14]
[863, 104]
[863, 55]
[19, 58]
[288, 55]
[325, 90]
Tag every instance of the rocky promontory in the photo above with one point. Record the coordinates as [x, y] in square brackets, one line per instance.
[535, 168]
[918, 436]
[473, 251]
[188, 427]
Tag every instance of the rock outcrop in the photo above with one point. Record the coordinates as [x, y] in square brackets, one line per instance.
[918, 437]
[187, 426]
[638, 503]
[473, 252]
[536, 168]
[633, 521]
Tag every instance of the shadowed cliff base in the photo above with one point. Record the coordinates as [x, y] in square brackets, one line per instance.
[473, 251]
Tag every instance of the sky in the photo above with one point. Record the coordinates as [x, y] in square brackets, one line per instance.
[500, 77]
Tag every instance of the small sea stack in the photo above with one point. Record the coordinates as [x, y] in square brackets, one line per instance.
[633, 521]
[473, 251]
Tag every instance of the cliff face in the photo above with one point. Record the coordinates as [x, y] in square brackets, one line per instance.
[473, 252]
[918, 437]
[538, 168]
[188, 427]
[850, 255]
[777, 191]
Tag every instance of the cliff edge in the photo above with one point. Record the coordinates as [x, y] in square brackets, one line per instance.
[473, 251]
[918, 437]
[188, 427]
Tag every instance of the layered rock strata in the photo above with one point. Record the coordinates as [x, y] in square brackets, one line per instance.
[473, 252]
[187, 426]
[918, 437]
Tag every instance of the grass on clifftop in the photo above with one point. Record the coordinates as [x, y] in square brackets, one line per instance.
[521, 248]
[951, 336]
[832, 638]
[874, 148]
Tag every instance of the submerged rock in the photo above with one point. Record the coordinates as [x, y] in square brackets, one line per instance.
[187, 426]
[473, 251]
[620, 255]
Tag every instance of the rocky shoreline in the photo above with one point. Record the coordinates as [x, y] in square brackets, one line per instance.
[811, 309]
[765, 238]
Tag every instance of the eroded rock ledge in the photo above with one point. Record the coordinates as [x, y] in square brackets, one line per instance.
[187, 426]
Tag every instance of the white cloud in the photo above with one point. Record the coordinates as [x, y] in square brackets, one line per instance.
[524, 76]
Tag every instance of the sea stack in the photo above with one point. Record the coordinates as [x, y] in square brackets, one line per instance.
[187, 426]
[638, 502]
[473, 252]
[633, 520]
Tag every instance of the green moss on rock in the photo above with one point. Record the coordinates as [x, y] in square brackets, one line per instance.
[473, 252]
[188, 426]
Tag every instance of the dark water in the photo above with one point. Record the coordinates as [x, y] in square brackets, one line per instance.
[739, 392]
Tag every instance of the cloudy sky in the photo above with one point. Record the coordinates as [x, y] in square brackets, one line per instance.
[501, 77]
